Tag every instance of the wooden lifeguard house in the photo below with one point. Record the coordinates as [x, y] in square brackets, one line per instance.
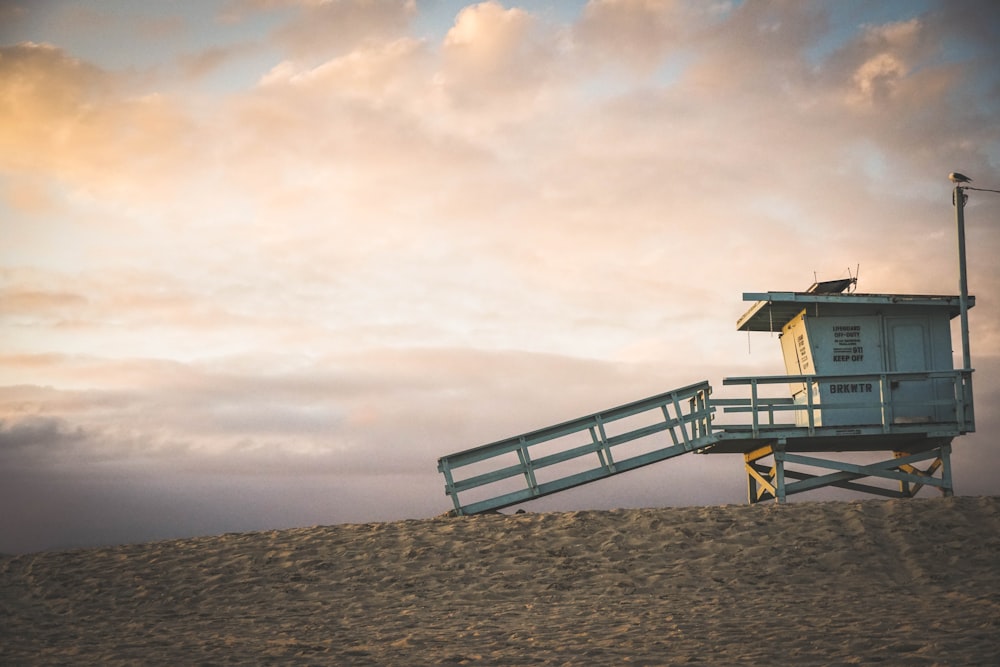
[865, 375]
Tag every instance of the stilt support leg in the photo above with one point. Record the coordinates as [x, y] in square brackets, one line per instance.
[761, 479]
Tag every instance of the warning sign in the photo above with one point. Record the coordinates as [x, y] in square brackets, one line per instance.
[847, 345]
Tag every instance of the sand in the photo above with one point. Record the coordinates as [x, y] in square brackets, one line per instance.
[896, 582]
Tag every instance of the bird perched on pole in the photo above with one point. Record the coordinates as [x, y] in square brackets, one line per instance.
[956, 177]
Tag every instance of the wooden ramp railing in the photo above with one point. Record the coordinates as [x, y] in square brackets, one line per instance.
[576, 452]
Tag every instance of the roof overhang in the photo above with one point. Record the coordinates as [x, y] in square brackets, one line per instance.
[773, 310]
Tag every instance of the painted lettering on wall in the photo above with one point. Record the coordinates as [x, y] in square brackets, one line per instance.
[851, 388]
[805, 363]
[847, 343]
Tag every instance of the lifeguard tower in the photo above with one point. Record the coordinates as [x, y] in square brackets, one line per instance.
[865, 374]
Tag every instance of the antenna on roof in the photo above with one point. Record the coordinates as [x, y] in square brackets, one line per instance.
[854, 279]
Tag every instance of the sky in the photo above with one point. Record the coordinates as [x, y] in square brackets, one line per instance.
[262, 262]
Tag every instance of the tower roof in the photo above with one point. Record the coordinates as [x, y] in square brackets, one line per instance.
[773, 310]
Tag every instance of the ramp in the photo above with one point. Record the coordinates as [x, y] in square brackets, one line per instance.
[583, 450]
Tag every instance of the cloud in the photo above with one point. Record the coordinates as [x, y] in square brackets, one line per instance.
[892, 64]
[975, 23]
[370, 412]
[30, 196]
[318, 154]
[756, 50]
[200, 64]
[87, 128]
[34, 302]
[634, 33]
[324, 29]
[100, 22]
[489, 39]
[499, 64]
[369, 72]
[43, 91]
[51, 434]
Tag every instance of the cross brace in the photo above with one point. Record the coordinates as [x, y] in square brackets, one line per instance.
[766, 482]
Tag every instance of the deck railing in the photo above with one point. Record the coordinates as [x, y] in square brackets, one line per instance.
[952, 391]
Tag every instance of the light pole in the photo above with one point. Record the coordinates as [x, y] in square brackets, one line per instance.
[968, 419]
[959, 198]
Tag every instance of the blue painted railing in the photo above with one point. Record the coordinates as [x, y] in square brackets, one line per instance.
[953, 397]
[576, 452]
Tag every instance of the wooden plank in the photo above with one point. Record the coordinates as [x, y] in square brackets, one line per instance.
[759, 453]
[640, 460]
[488, 478]
[757, 473]
[642, 432]
[845, 483]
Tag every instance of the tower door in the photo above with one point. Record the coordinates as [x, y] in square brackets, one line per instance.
[909, 351]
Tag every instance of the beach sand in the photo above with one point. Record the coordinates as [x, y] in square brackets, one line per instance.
[896, 582]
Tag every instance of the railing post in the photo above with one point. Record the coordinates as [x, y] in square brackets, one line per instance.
[525, 459]
[958, 391]
[705, 408]
[667, 418]
[810, 406]
[968, 407]
[681, 421]
[449, 484]
[700, 413]
[779, 472]
[605, 451]
[948, 489]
